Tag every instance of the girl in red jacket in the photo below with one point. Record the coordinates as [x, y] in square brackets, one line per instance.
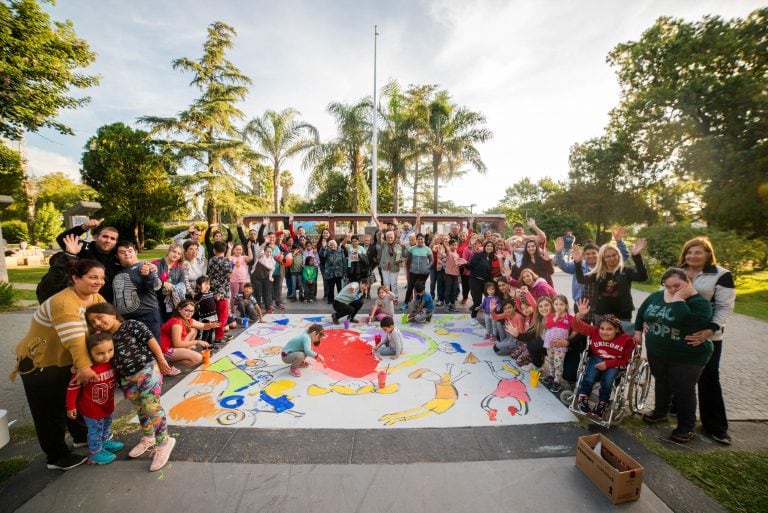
[610, 351]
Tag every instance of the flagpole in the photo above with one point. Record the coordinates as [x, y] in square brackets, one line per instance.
[374, 142]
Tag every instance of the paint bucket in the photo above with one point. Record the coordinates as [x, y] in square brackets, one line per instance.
[246, 322]
[5, 436]
[346, 323]
[206, 356]
[534, 377]
[382, 375]
[404, 319]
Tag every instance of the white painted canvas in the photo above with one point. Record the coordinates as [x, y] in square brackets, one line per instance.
[448, 376]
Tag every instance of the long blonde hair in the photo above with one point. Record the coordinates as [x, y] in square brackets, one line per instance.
[601, 269]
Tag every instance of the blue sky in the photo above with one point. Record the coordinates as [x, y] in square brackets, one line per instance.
[536, 69]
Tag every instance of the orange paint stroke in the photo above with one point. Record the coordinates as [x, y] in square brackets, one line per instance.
[194, 408]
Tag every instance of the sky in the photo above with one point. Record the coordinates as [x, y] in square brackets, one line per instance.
[535, 69]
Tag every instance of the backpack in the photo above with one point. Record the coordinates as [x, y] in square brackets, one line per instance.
[56, 279]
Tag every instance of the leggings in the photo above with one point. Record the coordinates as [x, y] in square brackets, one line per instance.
[476, 285]
[143, 390]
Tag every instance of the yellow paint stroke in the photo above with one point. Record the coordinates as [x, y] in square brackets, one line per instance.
[272, 350]
[471, 358]
[278, 388]
[352, 389]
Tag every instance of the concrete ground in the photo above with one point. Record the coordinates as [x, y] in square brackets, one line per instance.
[460, 469]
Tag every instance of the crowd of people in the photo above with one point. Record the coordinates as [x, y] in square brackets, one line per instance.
[120, 321]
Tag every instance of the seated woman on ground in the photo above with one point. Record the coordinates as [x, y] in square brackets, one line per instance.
[177, 337]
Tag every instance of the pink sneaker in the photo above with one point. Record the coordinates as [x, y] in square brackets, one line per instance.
[143, 446]
[174, 372]
[162, 453]
[296, 373]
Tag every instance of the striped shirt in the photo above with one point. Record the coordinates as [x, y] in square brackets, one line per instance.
[57, 332]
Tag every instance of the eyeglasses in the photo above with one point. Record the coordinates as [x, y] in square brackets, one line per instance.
[189, 310]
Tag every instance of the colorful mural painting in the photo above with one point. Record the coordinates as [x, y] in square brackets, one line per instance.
[446, 377]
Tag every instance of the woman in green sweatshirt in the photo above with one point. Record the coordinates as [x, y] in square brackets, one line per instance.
[667, 317]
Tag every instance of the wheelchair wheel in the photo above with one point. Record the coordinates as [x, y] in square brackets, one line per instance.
[566, 397]
[638, 393]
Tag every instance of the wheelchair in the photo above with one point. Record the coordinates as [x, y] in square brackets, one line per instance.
[629, 392]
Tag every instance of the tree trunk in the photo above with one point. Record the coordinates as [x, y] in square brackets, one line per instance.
[436, 158]
[139, 244]
[276, 186]
[395, 194]
[30, 195]
[210, 211]
[415, 186]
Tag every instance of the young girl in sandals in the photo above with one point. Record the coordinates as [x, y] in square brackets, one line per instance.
[138, 362]
[178, 336]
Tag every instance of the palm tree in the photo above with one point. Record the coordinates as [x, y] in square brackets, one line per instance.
[451, 137]
[277, 137]
[348, 150]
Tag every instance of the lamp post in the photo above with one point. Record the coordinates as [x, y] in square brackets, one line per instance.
[5, 202]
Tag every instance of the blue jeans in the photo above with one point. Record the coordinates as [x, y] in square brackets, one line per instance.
[298, 285]
[592, 374]
[151, 320]
[98, 432]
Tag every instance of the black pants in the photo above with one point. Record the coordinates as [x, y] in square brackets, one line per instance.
[46, 391]
[679, 380]
[350, 309]
[451, 288]
[333, 284]
[412, 279]
[711, 404]
[464, 286]
[476, 286]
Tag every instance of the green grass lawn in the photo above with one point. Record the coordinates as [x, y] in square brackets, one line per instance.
[27, 275]
[751, 293]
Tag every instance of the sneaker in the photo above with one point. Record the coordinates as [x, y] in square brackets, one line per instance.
[67, 462]
[600, 409]
[270, 309]
[112, 445]
[652, 418]
[296, 373]
[281, 306]
[103, 457]
[528, 367]
[162, 453]
[404, 306]
[451, 307]
[721, 438]
[487, 336]
[547, 381]
[682, 438]
[310, 300]
[143, 446]
[79, 445]
[584, 405]
[303, 365]
[335, 318]
[463, 301]
[173, 372]
[473, 322]
[439, 303]
[555, 388]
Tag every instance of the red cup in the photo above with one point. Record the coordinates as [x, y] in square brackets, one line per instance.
[382, 375]
[377, 339]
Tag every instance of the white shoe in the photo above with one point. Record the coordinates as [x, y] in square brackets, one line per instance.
[527, 367]
[162, 453]
[474, 322]
[143, 446]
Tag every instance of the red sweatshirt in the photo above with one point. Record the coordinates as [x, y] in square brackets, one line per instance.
[615, 353]
[96, 399]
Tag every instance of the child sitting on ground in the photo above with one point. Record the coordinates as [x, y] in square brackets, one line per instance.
[247, 306]
[384, 306]
[610, 350]
[96, 400]
[423, 305]
[392, 343]
[556, 341]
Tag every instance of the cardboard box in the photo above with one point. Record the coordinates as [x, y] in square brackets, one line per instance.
[615, 472]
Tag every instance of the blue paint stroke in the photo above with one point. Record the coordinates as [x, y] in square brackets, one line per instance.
[239, 354]
[280, 404]
[458, 347]
[249, 385]
[314, 319]
[284, 322]
[232, 401]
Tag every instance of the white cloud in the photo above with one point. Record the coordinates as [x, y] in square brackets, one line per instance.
[42, 162]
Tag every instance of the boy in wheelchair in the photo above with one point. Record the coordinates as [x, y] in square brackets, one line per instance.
[610, 350]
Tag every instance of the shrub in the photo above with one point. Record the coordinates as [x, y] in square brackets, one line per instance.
[7, 295]
[152, 229]
[15, 231]
[734, 252]
[150, 243]
[48, 223]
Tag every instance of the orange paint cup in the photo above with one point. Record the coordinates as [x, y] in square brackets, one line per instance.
[534, 377]
[206, 356]
[382, 375]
